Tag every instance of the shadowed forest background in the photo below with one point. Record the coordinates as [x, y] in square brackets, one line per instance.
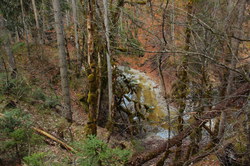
[124, 82]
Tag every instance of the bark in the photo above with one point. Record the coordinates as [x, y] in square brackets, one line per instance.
[163, 85]
[183, 81]
[248, 128]
[99, 90]
[43, 22]
[62, 60]
[11, 57]
[234, 49]
[164, 157]
[115, 13]
[139, 159]
[67, 51]
[172, 27]
[5, 34]
[91, 128]
[25, 29]
[75, 19]
[17, 35]
[67, 16]
[108, 56]
[37, 22]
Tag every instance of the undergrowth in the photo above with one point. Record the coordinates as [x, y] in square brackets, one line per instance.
[95, 152]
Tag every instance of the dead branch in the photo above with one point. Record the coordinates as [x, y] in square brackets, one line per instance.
[139, 159]
[66, 146]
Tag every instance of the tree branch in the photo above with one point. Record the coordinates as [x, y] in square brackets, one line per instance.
[139, 159]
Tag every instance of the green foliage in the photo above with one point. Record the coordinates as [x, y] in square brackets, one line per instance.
[17, 88]
[47, 101]
[16, 136]
[11, 11]
[94, 152]
[18, 46]
[36, 159]
[51, 101]
[38, 94]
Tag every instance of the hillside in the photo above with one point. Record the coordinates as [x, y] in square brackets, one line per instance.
[133, 83]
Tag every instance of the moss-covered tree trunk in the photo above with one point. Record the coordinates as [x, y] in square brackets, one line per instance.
[91, 128]
[183, 83]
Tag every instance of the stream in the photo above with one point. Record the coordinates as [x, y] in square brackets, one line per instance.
[150, 93]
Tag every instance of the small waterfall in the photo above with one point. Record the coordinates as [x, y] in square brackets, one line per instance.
[150, 93]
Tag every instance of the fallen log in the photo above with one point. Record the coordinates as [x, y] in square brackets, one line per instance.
[139, 159]
[44, 133]
[66, 146]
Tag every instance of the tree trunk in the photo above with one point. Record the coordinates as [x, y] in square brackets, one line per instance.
[108, 56]
[233, 49]
[248, 128]
[17, 35]
[43, 22]
[172, 27]
[25, 29]
[67, 16]
[75, 19]
[37, 22]
[11, 57]
[139, 159]
[91, 128]
[5, 34]
[62, 60]
[184, 82]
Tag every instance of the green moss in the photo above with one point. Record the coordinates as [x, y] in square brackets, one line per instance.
[91, 97]
[91, 78]
[92, 65]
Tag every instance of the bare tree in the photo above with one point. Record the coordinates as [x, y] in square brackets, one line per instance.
[75, 19]
[233, 47]
[62, 60]
[25, 28]
[5, 35]
[40, 41]
[108, 56]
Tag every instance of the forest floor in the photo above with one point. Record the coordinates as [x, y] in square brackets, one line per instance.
[43, 74]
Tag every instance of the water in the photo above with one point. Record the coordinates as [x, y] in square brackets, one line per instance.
[150, 93]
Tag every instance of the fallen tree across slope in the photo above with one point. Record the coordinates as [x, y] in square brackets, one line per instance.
[139, 159]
